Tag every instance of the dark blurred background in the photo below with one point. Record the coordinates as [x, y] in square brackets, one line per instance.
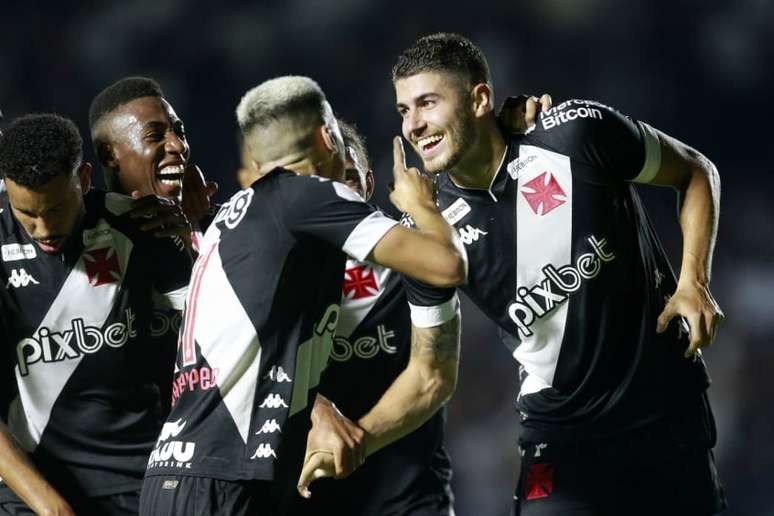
[697, 70]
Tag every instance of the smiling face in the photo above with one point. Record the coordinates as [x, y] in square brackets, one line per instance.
[437, 118]
[149, 150]
[50, 212]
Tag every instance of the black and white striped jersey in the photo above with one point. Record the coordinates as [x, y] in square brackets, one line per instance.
[262, 308]
[76, 338]
[564, 259]
[371, 349]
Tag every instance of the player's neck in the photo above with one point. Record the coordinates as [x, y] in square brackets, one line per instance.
[479, 165]
[301, 163]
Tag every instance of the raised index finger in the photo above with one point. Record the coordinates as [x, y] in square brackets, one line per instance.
[398, 155]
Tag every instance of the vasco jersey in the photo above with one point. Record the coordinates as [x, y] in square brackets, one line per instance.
[564, 259]
[77, 341]
[371, 348]
[262, 307]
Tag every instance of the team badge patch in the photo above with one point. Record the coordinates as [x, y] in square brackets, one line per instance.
[540, 481]
[102, 266]
[544, 194]
[360, 282]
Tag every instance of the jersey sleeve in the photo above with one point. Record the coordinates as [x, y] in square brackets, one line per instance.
[611, 143]
[430, 306]
[171, 270]
[330, 211]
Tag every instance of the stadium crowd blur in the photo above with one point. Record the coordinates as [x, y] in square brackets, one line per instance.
[697, 70]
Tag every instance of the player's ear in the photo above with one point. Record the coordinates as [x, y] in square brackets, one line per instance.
[106, 154]
[370, 184]
[483, 99]
[329, 138]
[84, 176]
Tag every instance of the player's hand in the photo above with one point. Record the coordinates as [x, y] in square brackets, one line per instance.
[50, 503]
[701, 311]
[162, 216]
[410, 188]
[196, 193]
[519, 113]
[317, 464]
[333, 432]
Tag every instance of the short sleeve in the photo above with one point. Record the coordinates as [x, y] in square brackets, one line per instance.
[330, 211]
[603, 138]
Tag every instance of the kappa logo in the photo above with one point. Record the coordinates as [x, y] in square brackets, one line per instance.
[360, 282]
[469, 234]
[273, 401]
[264, 451]
[20, 278]
[102, 266]
[233, 211]
[278, 374]
[174, 454]
[14, 252]
[269, 427]
[544, 194]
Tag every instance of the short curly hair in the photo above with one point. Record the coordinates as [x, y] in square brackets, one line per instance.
[443, 52]
[118, 94]
[355, 140]
[36, 148]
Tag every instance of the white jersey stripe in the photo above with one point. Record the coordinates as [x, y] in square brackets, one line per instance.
[30, 411]
[542, 237]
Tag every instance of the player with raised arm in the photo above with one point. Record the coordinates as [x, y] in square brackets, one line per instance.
[614, 411]
[80, 410]
[263, 306]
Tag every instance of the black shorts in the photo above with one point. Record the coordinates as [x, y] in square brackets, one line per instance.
[119, 504]
[656, 470]
[177, 495]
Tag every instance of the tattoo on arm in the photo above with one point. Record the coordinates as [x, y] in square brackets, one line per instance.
[440, 343]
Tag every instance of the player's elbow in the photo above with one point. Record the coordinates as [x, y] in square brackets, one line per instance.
[450, 270]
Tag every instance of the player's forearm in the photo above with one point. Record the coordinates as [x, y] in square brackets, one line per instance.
[420, 390]
[699, 208]
[19, 474]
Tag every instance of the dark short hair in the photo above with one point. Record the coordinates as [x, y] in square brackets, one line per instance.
[352, 138]
[443, 52]
[119, 93]
[36, 148]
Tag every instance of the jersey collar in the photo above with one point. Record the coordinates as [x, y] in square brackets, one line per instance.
[499, 179]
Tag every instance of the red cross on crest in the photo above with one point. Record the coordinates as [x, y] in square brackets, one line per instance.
[102, 266]
[360, 282]
[544, 194]
[540, 481]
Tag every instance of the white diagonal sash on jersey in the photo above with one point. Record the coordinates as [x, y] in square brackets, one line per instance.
[353, 308]
[542, 239]
[231, 345]
[39, 390]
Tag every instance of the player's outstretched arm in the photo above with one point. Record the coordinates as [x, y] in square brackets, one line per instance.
[432, 253]
[24, 479]
[420, 390]
[416, 394]
[698, 184]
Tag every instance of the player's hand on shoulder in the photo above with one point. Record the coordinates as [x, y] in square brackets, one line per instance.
[693, 301]
[165, 218]
[410, 187]
[196, 193]
[519, 113]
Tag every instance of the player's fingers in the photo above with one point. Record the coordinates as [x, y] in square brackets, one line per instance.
[136, 194]
[546, 102]
[531, 109]
[697, 334]
[665, 317]
[398, 157]
[317, 465]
